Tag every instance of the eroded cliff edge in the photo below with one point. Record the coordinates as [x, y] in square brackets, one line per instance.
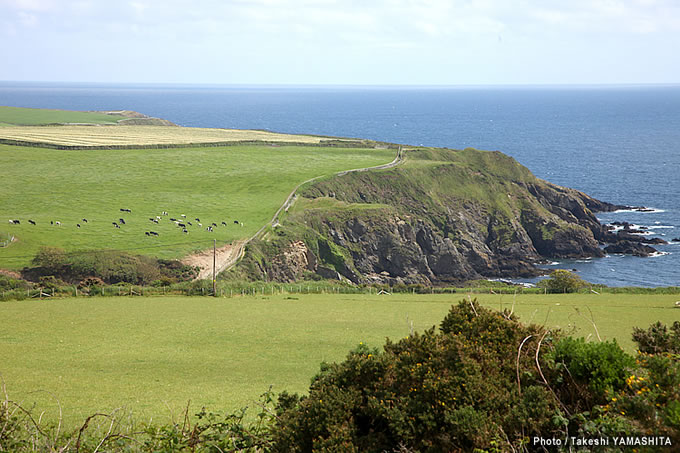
[444, 216]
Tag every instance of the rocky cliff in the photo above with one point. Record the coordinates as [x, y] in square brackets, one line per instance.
[444, 216]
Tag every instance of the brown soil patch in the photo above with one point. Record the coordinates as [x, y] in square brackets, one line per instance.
[225, 256]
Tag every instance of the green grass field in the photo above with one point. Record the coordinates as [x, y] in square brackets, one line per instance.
[152, 355]
[32, 117]
[244, 183]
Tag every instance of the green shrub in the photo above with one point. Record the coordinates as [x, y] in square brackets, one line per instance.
[438, 391]
[9, 283]
[51, 282]
[589, 373]
[656, 338]
[562, 281]
[51, 260]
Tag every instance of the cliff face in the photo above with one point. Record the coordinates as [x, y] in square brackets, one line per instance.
[443, 216]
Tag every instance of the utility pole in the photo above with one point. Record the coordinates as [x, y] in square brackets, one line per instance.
[214, 267]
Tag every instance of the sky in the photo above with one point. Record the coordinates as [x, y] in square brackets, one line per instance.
[341, 42]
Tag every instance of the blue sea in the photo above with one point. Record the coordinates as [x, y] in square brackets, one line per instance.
[620, 144]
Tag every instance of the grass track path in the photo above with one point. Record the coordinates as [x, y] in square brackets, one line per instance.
[230, 254]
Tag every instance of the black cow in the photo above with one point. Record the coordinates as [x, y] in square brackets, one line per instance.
[125, 210]
[14, 222]
[78, 225]
[224, 223]
[147, 233]
[189, 223]
[85, 220]
[115, 224]
[31, 222]
[181, 225]
[185, 230]
[153, 233]
[122, 222]
[197, 219]
[173, 220]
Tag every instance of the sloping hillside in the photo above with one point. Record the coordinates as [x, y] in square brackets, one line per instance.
[443, 216]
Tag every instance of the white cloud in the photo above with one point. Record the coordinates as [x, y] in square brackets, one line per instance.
[377, 35]
[27, 19]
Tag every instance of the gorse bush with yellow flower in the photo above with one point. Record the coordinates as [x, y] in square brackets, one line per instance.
[482, 381]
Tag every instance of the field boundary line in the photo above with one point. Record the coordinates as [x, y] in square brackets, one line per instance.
[234, 258]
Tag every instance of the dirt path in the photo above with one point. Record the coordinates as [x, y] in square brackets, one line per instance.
[230, 254]
[225, 256]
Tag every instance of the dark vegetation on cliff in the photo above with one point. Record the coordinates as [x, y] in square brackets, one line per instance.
[442, 217]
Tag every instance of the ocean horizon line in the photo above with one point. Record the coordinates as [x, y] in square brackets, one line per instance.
[303, 86]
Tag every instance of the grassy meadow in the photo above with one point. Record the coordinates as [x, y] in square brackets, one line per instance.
[214, 184]
[150, 355]
[33, 117]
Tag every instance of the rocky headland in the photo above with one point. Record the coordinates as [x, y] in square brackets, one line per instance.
[442, 217]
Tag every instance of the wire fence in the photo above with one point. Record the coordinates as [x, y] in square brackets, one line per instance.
[5, 239]
[261, 289]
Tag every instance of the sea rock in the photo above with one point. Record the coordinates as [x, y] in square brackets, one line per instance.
[630, 248]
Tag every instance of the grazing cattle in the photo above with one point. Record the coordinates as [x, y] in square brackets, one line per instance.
[183, 216]
[14, 222]
[214, 224]
[236, 222]
[51, 222]
[181, 225]
[122, 222]
[85, 220]
[200, 224]
[197, 219]
[158, 217]
[57, 223]
[164, 213]
[173, 220]
[147, 233]
[31, 222]
[189, 223]
[153, 233]
[209, 228]
[78, 225]
[224, 223]
[114, 224]
[125, 210]
[185, 231]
